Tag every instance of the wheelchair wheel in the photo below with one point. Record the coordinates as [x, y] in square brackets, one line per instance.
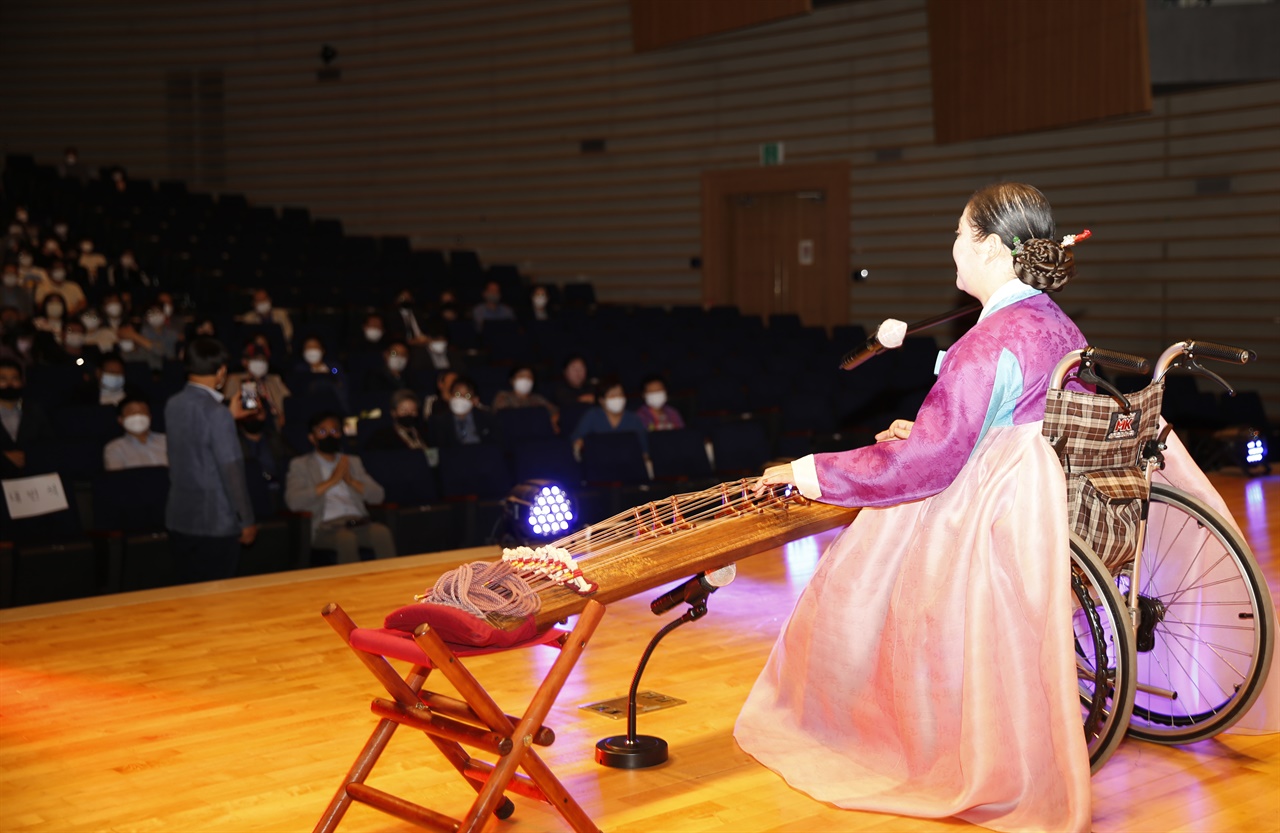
[1105, 654]
[1207, 629]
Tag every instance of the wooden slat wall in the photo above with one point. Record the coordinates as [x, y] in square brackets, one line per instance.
[659, 23]
[1007, 66]
[459, 123]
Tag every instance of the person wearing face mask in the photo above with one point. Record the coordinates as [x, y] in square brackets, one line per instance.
[655, 413]
[439, 401]
[610, 415]
[91, 260]
[96, 335]
[406, 429]
[126, 274]
[209, 515]
[268, 390]
[76, 347]
[162, 335]
[373, 335]
[72, 167]
[22, 423]
[265, 446]
[491, 307]
[465, 422]
[336, 490]
[72, 294]
[29, 346]
[391, 374]
[140, 447]
[315, 374]
[107, 386]
[539, 304]
[442, 354]
[264, 312]
[51, 316]
[13, 293]
[31, 274]
[521, 394]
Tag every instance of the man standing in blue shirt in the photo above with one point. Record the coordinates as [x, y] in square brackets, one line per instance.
[209, 515]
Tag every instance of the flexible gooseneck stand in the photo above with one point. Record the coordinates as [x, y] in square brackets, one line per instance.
[632, 751]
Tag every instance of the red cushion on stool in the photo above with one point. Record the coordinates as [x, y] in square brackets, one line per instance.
[458, 627]
[398, 644]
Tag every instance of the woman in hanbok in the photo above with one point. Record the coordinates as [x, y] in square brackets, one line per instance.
[927, 669]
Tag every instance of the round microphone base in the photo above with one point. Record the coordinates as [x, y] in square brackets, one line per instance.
[620, 752]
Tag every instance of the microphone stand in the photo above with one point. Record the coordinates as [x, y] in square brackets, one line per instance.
[632, 751]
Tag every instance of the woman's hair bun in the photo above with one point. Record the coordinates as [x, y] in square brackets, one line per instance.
[1044, 264]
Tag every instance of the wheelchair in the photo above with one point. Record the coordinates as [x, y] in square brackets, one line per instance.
[1174, 627]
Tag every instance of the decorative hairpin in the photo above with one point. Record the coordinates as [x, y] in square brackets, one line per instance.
[1017, 246]
[1072, 239]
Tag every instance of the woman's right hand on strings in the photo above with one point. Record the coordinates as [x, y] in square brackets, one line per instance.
[899, 429]
[775, 476]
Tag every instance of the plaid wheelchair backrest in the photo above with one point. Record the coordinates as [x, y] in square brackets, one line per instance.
[1100, 446]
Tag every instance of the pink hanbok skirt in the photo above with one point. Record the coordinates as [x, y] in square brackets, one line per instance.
[928, 669]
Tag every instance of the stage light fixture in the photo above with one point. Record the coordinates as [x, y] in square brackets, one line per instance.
[541, 510]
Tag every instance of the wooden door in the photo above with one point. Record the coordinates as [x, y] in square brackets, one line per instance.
[775, 253]
[776, 240]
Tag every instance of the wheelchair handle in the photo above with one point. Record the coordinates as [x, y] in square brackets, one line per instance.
[1202, 349]
[1096, 355]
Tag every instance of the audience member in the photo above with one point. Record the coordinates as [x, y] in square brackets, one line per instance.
[655, 413]
[22, 423]
[52, 312]
[75, 345]
[447, 304]
[438, 401]
[72, 295]
[107, 387]
[491, 308]
[264, 312]
[13, 293]
[162, 335]
[336, 490]
[209, 515]
[91, 260]
[443, 355]
[390, 375]
[72, 167]
[101, 338]
[610, 415]
[406, 430]
[539, 304]
[267, 389]
[28, 346]
[267, 447]
[403, 321]
[464, 423]
[521, 394]
[372, 334]
[140, 446]
[30, 274]
[572, 386]
[315, 374]
[126, 275]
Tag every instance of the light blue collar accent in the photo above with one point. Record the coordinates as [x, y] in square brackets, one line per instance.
[1010, 293]
[1005, 393]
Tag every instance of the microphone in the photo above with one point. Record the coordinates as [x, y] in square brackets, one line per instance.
[703, 584]
[888, 336]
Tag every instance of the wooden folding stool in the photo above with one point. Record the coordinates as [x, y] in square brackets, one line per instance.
[475, 721]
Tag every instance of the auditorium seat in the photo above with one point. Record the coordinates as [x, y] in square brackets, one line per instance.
[48, 558]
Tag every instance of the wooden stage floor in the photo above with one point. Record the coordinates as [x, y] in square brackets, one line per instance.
[232, 706]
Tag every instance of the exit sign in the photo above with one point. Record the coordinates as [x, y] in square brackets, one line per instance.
[772, 153]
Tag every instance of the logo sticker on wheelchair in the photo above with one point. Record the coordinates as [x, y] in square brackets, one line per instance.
[1124, 426]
